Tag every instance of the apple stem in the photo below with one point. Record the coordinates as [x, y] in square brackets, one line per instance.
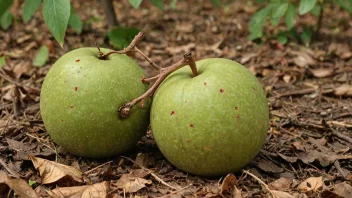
[125, 110]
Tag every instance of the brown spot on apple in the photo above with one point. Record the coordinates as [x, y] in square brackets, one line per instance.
[77, 60]
[71, 106]
[237, 116]
[236, 108]
[221, 91]
[191, 125]
[76, 88]
[205, 83]
[172, 113]
[188, 141]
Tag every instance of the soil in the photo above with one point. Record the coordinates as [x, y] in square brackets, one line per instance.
[308, 148]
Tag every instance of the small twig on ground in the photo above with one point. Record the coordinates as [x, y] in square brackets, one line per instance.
[177, 191]
[12, 172]
[151, 173]
[93, 169]
[340, 135]
[40, 141]
[260, 181]
[338, 167]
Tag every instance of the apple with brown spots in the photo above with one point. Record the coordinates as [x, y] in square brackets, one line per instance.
[80, 99]
[213, 123]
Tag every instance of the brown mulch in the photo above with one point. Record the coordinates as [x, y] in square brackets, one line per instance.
[308, 148]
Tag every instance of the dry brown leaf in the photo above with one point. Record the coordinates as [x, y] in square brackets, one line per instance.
[287, 78]
[299, 146]
[343, 90]
[322, 72]
[20, 187]
[281, 184]
[288, 158]
[268, 166]
[181, 49]
[312, 183]
[51, 172]
[324, 158]
[343, 189]
[98, 190]
[229, 182]
[236, 193]
[281, 194]
[131, 184]
[20, 146]
[303, 59]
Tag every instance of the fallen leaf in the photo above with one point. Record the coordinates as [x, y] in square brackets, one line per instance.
[312, 183]
[20, 187]
[329, 194]
[51, 172]
[343, 90]
[287, 78]
[288, 158]
[268, 166]
[322, 72]
[229, 182]
[88, 191]
[236, 193]
[281, 194]
[131, 184]
[324, 158]
[298, 146]
[281, 184]
[303, 59]
[20, 146]
[343, 189]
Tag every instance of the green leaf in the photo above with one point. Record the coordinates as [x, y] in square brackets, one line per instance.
[31, 182]
[2, 61]
[290, 16]
[306, 6]
[56, 14]
[29, 8]
[282, 38]
[121, 37]
[257, 22]
[306, 36]
[6, 20]
[42, 56]
[5, 5]
[135, 3]
[217, 3]
[278, 11]
[173, 4]
[74, 21]
[345, 4]
[158, 3]
[316, 10]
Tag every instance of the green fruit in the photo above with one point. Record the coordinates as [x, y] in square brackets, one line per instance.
[211, 124]
[80, 99]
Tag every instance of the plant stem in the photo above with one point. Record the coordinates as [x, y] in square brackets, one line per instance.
[319, 23]
[110, 13]
[125, 109]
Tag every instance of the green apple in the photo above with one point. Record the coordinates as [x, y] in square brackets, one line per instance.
[211, 124]
[80, 99]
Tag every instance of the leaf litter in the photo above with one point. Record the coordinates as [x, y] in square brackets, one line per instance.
[308, 148]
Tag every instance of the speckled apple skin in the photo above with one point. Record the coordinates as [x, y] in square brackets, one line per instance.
[214, 123]
[80, 98]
